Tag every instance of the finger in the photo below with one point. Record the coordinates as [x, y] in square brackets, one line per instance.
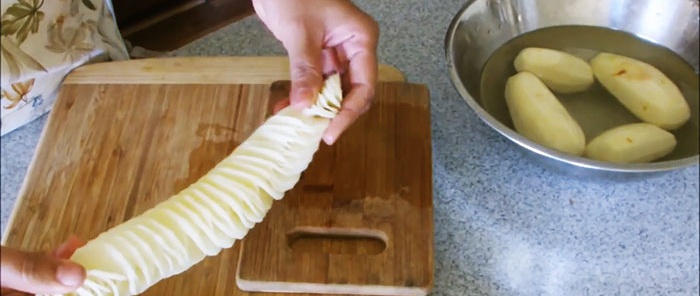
[281, 104]
[356, 103]
[331, 62]
[39, 273]
[362, 77]
[305, 67]
[67, 248]
[363, 69]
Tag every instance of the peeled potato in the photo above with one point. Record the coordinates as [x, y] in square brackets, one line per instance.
[539, 116]
[560, 71]
[631, 143]
[642, 89]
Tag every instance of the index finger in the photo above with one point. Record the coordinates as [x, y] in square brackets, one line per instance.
[362, 76]
[67, 248]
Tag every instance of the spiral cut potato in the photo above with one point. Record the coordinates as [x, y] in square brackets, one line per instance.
[214, 212]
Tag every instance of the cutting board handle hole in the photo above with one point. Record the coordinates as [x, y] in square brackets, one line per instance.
[337, 241]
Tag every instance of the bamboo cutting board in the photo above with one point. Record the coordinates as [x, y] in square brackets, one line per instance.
[124, 136]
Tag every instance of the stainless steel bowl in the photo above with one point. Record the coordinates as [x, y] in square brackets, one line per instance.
[482, 26]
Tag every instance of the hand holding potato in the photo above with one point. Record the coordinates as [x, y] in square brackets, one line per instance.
[323, 37]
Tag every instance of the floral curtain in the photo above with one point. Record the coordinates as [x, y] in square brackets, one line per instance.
[41, 42]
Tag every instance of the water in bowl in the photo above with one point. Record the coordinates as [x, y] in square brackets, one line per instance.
[595, 109]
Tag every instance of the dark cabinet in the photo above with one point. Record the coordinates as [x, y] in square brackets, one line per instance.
[165, 25]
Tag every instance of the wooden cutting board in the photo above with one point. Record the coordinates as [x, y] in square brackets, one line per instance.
[124, 136]
[360, 219]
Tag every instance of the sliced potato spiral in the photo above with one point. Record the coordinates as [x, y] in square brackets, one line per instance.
[214, 212]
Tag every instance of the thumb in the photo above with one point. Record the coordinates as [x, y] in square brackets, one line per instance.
[305, 67]
[39, 273]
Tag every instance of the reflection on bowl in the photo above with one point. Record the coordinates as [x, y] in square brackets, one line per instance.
[486, 35]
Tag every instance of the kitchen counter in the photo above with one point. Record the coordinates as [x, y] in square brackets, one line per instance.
[503, 224]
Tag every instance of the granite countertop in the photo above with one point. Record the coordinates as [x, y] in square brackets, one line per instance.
[503, 224]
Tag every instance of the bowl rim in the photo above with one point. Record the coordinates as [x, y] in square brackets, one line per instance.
[513, 136]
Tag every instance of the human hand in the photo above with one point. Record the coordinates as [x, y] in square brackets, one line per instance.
[322, 37]
[41, 272]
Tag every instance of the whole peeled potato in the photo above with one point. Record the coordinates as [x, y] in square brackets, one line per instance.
[631, 143]
[560, 71]
[642, 89]
[539, 116]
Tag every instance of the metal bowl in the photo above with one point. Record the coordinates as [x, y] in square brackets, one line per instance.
[483, 26]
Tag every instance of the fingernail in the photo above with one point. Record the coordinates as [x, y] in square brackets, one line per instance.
[70, 274]
[329, 140]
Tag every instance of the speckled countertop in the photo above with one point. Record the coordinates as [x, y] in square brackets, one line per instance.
[503, 225]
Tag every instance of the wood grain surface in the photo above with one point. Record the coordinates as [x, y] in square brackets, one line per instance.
[198, 70]
[110, 151]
